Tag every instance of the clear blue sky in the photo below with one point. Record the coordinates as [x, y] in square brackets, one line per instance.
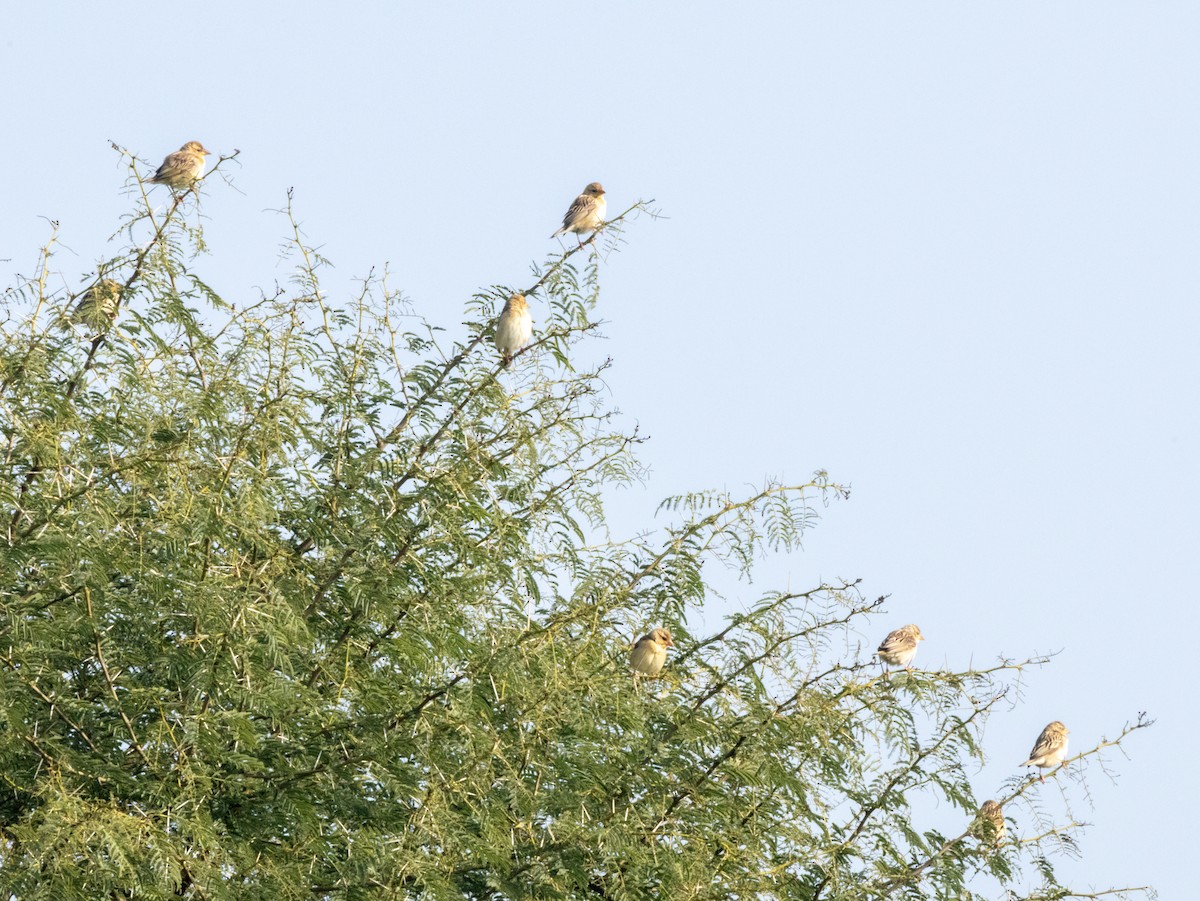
[946, 251]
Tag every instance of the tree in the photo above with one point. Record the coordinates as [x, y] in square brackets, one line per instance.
[307, 600]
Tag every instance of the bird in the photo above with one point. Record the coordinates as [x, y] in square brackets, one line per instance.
[989, 822]
[649, 653]
[900, 646]
[1050, 747]
[586, 213]
[181, 168]
[514, 328]
[97, 307]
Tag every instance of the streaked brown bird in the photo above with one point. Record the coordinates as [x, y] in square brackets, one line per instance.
[181, 168]
[97, 307]
[649, 653]
[514, 327]
[1050, 748]
[989, 823]
[586, 213]
[900, 646]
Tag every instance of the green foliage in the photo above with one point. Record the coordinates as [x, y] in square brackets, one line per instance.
[302, 599]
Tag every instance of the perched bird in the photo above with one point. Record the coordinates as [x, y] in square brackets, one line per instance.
[514, 328]
[181, 168]
[989, 823]
[97, 307]
[900, 646]
[586, 213]
[1050, 747]
[649, 653]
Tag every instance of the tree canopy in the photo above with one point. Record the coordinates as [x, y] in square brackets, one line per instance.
[306, 598]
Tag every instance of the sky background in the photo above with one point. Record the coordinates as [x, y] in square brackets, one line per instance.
[947, 252]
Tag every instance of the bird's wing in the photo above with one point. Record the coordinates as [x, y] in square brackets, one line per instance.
[172, 164]
[1045, 744]
[580, 209]
[896, 641]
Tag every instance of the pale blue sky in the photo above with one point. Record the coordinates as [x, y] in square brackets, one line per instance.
[947, 252]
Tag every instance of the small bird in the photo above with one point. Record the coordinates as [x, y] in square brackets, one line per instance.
[97, 307]
[181, 168]
[649, 653]
[1050, 747]
[900, 646]
[586, 213]
[514, 328]
[989, 823]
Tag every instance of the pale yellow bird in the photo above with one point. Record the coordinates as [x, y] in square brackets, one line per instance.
[181, 168]
[586, 213]
[1050, 748]
[514, 327]
[900, 646]
[649, 653]
[989, 823]
[97, 307]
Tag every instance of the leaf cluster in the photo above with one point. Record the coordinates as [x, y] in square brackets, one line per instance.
[304, 599]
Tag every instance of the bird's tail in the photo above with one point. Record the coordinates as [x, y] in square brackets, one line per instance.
[561, 231]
